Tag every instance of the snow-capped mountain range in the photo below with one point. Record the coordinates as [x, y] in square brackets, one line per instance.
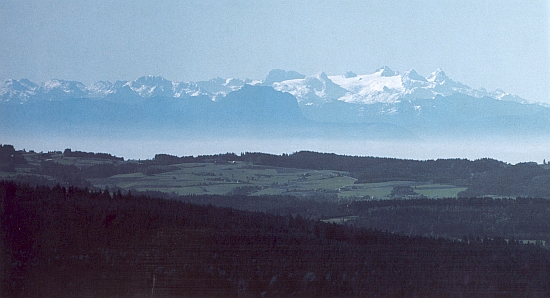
[144, 87]
[380, 105]
[382, 86]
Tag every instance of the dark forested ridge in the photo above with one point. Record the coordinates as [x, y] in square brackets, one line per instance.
[364, 168]
[76, 242]
[377, 169]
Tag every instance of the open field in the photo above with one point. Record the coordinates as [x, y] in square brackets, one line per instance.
[210, 178]
[245, 178]
[382, 190]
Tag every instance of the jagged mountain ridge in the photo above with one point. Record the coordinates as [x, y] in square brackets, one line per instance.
[382, 104]
[251, 111]
[382, 86]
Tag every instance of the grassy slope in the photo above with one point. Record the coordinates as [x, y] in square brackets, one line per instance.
[209, 178]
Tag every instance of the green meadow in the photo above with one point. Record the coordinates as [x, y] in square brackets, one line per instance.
[249, 179]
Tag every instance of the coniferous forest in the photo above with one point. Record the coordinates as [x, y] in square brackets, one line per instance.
[61, 242]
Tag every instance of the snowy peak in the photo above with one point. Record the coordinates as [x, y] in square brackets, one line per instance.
[369, 88]
[67, 86]
[24, 90]
[235, 84]
[313, 89]
[501, 95]
[385, 71]
[57, 87]
[383, 86]
[412, 75]
[18, 90]
[151, 80]
[438, 76]
[20, 85]
[319, 81]
[411, 79]
[279, 75]
[152, 86]
[100, 89]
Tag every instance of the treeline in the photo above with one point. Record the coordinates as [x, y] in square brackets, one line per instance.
[378, 169]
[76, 242]
[71, 175]
[80, 154]
[365, 169]
[471, 219]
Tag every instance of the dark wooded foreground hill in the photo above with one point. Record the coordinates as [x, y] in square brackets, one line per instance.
[75, 242]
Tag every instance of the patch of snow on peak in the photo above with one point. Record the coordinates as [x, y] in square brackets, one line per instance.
[150, 86]
[501, 95]
[17, 90]
[382, 86]
[100, 89]
[369, 88]
[234, 84]
[279, 75]
[51, 84]
[69, 88]
[438, 76]
[413, 76]
[317, 88]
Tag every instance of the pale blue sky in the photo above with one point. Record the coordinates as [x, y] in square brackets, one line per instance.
[493, 44]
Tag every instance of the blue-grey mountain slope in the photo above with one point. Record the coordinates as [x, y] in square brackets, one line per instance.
[252, 111]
